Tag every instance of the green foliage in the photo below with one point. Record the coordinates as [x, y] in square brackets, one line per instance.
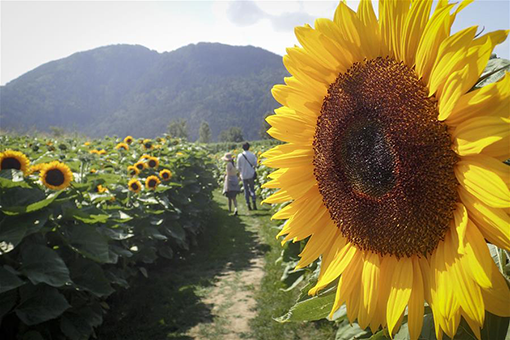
[62, 253]
[178, 129]
[204, 133]
[233, 134]
[131, 90]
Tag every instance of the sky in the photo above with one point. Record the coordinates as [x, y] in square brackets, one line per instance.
[36, 32]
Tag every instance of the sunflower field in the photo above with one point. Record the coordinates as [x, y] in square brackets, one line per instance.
[80, 219]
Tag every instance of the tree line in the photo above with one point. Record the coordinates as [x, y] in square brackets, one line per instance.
[179, 129]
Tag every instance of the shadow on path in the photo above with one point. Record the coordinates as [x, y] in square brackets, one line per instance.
[168, 304]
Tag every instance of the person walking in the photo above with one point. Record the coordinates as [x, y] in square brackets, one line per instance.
[246, 163]
[231, 185]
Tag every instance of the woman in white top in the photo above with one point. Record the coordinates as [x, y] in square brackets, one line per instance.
[231, 186]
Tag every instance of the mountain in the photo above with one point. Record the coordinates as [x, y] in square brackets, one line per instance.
[129, 89]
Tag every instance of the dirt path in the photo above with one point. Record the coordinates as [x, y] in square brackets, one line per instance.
[231, 297]
[205, 293]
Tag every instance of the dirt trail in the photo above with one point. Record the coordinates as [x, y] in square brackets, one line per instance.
[231, 298]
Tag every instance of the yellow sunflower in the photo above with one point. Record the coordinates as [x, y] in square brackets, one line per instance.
[128, 140]
[145, 157]
[152, 182]
[94, 151]
[36, 168]
[393, 165]
[147, 144]
[153, 162]
[135, 185]
[140, 165]
[100, 189]
[102, 152]
[165, 174]
[86, 143]
[10, 159]
[122, 146]
[133, 170]
[56, 175]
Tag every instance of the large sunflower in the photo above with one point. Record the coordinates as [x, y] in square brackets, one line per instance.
[56, 175]
[393, 165]
[10, 159]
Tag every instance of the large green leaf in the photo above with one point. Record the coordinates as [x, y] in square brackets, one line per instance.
[176, 231]
[11, 234]
[347, 331]
[14, 228]
[89, 215]
[7, 302]
[42, 264]
[33, 202]
[40, 303]
[8, 280]
[87, 241]
[75, 327]
[90, 276]
[314, 308]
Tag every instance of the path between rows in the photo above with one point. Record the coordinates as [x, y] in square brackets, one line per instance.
[232, 296]
[206, 292]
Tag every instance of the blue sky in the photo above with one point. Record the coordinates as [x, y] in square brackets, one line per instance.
[36, 32]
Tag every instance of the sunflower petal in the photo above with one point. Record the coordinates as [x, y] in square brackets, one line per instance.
[436, 30]
[337, 266]
[491, 100]
[414, 26]
[492, 222]
[416, 308]
[369, 289]
[483, 182]
[400, 292]
[474, 135]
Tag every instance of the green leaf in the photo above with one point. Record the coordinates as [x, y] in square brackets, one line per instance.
[89, 276]
[166, 252]
[8, 280]
[75, 327]
[347, 332]
[8, 183]
[494, 71]
[495, 327]
[40, 303]
[30, 206]
[42, 264]
[32, 335]
[176, 231]
[11, 234]
[87, 241]
[89, 215]
[154, 233]
[314, 308]
[7, 302]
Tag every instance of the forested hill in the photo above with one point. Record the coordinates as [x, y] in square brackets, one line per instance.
[129, 89]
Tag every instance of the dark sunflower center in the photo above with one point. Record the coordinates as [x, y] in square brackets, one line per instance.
[55, 177]
[134, 186]
[365, 157]
[140, 166]
[152, 183]
[148, 145]
[10, 163]
[383, 162]
[152, 163]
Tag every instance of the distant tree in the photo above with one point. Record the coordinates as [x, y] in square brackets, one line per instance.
[233, 134]
[264, 127]
[57, 131]
[178, 129]
[204, 133]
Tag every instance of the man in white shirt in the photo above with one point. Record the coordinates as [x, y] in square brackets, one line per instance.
[246, 163]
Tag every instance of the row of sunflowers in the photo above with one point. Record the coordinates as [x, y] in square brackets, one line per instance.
[80, 219]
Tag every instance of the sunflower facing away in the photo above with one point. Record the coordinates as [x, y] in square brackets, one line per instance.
[152, 182]
[393, 166]
[56, 175]
[134, 185]
[14, 160]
